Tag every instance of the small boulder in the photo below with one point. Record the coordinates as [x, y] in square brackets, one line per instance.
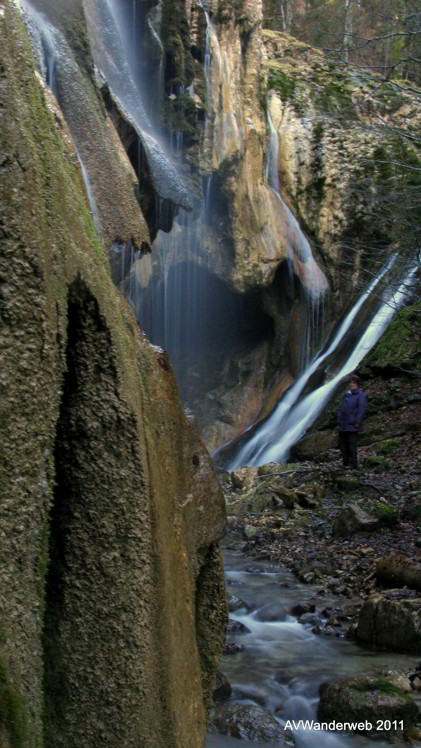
[235, 603]
[243, 477]
[300, 608]
[390, 623]
[353, 519]
[271, 612]
[398, 571]
[250, 532]
[236, 627]
[232, 648]
[270, 468]
[248, 722]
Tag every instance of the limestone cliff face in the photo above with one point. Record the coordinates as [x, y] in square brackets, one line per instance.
[330, 168]
[254, 235]
[332, 123]
[112, 602]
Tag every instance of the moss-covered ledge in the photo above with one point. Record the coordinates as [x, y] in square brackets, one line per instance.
[104, 530]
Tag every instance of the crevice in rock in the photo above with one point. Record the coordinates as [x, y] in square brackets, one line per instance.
[89, 587]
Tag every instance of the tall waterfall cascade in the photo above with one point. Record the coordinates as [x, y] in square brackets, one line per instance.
[272, 440]
[181, 292]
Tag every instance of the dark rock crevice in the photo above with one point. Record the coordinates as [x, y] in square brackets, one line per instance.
[93, 519]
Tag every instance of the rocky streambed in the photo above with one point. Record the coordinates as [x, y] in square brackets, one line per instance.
[275, 666]
[324, 587]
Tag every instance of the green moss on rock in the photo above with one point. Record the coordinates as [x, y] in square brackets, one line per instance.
[376, 464]
[388, 446]
[367, 700]
[388, 515]
[400, 345]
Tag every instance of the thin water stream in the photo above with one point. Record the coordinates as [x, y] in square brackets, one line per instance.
[283, 663]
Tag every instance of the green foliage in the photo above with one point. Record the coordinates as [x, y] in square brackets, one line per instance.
[413, 513]
[347, 483]
[283, 84]
[335, 97]
[179, 114]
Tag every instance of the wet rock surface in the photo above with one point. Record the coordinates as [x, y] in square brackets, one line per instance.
[377, 705]
[248, 722]
[388, 622]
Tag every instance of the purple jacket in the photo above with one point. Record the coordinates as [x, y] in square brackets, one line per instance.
[352, 411]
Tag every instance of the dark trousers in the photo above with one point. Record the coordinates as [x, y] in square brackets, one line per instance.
[348, 441]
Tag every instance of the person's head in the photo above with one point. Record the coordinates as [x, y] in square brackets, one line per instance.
[354, 382]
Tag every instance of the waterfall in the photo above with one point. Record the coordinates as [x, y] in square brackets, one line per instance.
[110, 55]
[273, 439]
[175, 308]
[91, 198]
[300, 259]
[172, 291]
[43, 37]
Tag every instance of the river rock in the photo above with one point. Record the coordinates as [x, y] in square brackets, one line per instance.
[310, 619]
[248, 722]
[367, 699]
[250, 532]
[301, 608]
[390, 623]
[232, 648]
[271, 612]
[236, 627]
[353, 519]
[243, 477]
[314, 445]
[235, 603]
[222, 690]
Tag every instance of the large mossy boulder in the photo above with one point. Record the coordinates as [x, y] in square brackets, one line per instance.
[113, 605]
[372, 703]
[390, 622]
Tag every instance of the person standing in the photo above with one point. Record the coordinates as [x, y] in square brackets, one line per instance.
[350, 421]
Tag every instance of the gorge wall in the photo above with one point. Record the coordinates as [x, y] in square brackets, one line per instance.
[204, 138]
[112, 602]
[335, 131]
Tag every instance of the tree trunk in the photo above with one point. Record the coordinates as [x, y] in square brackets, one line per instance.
[347, 27]
[286, 15]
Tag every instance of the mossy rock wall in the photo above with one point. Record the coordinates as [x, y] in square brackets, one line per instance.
[110, 511]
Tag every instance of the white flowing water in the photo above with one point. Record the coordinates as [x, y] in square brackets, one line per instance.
[283, 663]
[110, 50]
[181, 307]
[314, 285]
[91, 198]
[273, 439]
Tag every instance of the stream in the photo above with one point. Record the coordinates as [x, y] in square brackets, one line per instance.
[283, 663]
